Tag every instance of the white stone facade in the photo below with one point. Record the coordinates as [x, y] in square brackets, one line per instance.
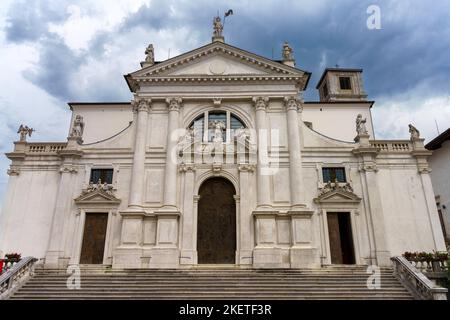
[282, 200]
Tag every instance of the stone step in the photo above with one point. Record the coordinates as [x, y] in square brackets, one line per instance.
[213, 283]
[197, 283]
[210, 293]
[203, 287]
[150, 280]
[194, 298]
[221, 296]
[362, 274]
[208, 283]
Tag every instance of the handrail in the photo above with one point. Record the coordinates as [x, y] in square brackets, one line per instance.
[422, 287]
[12, 278]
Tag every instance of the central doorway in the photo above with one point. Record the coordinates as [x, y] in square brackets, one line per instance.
[216, 228]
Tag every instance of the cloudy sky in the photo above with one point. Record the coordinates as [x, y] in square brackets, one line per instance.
[53, 52]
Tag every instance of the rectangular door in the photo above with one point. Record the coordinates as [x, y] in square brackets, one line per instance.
[94, 238]
[341, 238]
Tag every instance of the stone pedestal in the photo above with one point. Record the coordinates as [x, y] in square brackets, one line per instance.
[188, 254]
[303, 253]
[129, 252]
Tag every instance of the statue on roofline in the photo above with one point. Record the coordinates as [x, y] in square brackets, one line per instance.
[361, 125]
[25, 131]
[78, 127]
[218, 27]
[150, 54]
[415, 134]
[288, 53]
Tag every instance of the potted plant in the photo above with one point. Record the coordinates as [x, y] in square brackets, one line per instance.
[13, 257]
[439, 259]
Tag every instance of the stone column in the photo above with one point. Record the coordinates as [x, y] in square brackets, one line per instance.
[188, 249]
[295, 157]
[55, 253]
[263, 178]
[138, 173]
[170, 175]
[369, 170]
[166, 253]
[129, 253]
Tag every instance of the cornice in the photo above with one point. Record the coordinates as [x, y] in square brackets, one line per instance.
[244, 56]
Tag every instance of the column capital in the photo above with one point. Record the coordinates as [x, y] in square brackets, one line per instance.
[68, 168]
[261, 103]
[174, 104]
[186, 167]
[293, 103]
[13, 172]
[247, 167]
[141, 105]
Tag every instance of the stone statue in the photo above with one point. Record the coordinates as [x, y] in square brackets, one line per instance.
[348, 187]
[415, 134]
[218, 27]
[218, 127]
[242, 134]
[336, 186]
[150, 54]
[187, 139]
[78, 127]
[24, 131]
[99, 186]
[361, 125]
[288, 53]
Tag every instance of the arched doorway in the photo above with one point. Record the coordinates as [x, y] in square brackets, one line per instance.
[216, 226]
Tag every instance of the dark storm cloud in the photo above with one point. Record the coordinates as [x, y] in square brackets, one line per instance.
[28, 20]
[57, 62]
[412, 48]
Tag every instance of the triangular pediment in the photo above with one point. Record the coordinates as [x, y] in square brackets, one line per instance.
[338, 196]
[218, 64]
[97, 197]
[218, 60]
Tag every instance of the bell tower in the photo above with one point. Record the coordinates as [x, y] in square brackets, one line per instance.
[339, 84]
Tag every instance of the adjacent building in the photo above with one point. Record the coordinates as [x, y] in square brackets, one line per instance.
[440, 177]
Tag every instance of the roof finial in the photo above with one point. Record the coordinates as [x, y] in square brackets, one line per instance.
[218, 29]
[149, 56]
[288, 55]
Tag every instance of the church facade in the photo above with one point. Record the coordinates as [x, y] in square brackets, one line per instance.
[218, 160]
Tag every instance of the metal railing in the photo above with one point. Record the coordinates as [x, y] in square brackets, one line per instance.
[422, 287]
[15, 276]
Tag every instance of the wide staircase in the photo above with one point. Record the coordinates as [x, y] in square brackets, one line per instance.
[213, 283]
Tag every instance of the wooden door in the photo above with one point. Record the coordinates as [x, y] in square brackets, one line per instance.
[341, 238]
[216, 229]
[94, 238]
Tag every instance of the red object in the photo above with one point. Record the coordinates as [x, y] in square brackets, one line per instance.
[1, 266]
